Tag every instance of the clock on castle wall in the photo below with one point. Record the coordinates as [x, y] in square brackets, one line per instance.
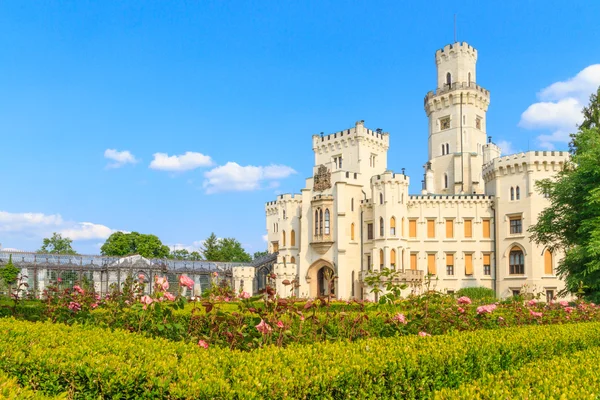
[445, 123]
[322, 179]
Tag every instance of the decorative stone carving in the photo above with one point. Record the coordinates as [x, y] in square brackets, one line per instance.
[322, 179]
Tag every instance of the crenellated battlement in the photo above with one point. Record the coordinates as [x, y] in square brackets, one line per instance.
[455, 49]
[389, 177]
[522, 162]
[359, 130]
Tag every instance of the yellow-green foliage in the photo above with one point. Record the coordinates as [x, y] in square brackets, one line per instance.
[574, 376]
[10, 390]
[95, 363]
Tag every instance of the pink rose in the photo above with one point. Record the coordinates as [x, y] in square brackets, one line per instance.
[302, 318]
[464, 300]
[569, 310]
[487, 309]
[280, 325]
[203, 344]
[263, 327]
[215, 274]
[423, 334]
[226, 299]
[461, 310]
[244, 295]
[94, 305]
[78, 289]
[169, 296]
[161, 283]
[146, 300]
[532, 302]
[400, 318]
[58, 280]
[563, 303]
[535, 314]
[186, 281]
[74, 306]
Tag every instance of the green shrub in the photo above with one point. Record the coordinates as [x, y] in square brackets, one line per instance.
[573, 376]
[10, 390]
[477, 293]
[95, 363]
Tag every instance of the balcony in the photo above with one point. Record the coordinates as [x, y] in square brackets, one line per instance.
[408, 275]
[321, 243]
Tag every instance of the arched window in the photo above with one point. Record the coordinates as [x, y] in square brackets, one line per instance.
[548, 262]
[512, 193]
[283, 238]
[443, 149]
[518, 193]
[380, 260]
[316, 222]
[320, 222]
[352, 231]
[327, 221]
[380, 198]
[516, 261]
[283, 214]
[393, 226]
[274, 228]
[352, 204]
[448, 79]
[469, 77]
[445, 181]
[293, 238]
[402, 260]
[393, 258]
[381, 226]
[447, 148]
[293, 260]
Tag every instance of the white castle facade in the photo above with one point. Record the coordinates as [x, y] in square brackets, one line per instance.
[468, 227]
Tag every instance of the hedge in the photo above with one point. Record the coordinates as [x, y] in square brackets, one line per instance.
[10, 390]
[95, 363]
[574, 376]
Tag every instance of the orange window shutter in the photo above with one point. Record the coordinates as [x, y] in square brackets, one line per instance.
[468, 228]
[548, 262]
[412, 228]
[449, 259]
[486, 259]
[449, 229]
[430, 228]
[486, 228]
[468, 264]
[393, 257]
[413, 261]
[431, 264]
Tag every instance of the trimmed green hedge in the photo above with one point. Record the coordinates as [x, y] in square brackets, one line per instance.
[573, 376]
[10, 390]
[95, 363]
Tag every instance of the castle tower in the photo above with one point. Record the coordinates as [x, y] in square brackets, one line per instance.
[457, 124]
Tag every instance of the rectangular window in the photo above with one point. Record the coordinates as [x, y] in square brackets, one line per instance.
[450, 264]
[275, 247]
[516, 225]
[487, 264]
[549, 296]
[468, 228]
[413, 261]
[369, 262]
[469, 264]
[431, 264]
[516, 292]
[412, 228]
[431, 228]
[369, 231]
[449, 229]
[486, 229]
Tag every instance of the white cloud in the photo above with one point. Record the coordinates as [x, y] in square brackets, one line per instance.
[560, 105]
[87, 231]
[119, 158]
[185, 162]
[234, 177]
[506, 147]
[42, 225]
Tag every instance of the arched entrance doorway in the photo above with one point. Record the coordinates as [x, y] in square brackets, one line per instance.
[321, 279]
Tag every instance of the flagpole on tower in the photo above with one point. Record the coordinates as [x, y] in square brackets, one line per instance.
[454, 28]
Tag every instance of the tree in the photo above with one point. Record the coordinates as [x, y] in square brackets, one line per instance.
[125, 244]
[57, 245]
[180, 254]
[572, 221]
[210, 248]
[9, 273]
[260, 254]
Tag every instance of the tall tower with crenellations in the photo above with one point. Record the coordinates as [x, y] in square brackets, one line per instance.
[457, 124]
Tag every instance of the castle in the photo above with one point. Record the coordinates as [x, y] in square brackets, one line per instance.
[468, 226]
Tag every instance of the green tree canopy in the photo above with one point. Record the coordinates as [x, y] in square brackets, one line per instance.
[224, 249]
[57, 244]
[183, 254]
[125, 244]
[9, 273]
[572, 221]
[259, 254]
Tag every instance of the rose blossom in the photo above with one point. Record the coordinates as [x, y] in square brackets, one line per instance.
[532, 302]
[74, 306]
[244, 295]
[569, 310]
[186, 281]
[146, 300]
[563, 303]
[161, 283]
[169, 296]
[203, 344]
[535, 314]
[263, 327]
[464, 300]
[423, 334]
[94, 305]
[280, 325]
[487, 309]
[78, 289]
[400, 318]
[461, 310]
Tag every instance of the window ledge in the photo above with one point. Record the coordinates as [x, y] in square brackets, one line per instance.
[516, 277]
[431, 240]
[515, 236]
[469, 240]
[549, 277]
[450, 240]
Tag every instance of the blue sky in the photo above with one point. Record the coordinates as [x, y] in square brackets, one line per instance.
[101, 101]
